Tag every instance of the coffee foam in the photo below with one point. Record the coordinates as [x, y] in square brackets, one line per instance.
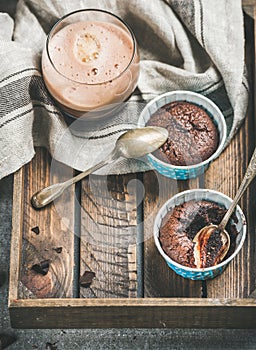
[88, 66]
[86, 48]
[91, 52]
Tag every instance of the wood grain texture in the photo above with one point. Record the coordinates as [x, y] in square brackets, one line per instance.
[159, 279]
[45, 230]
[236, 280]
[225, 175]
[108, 235]
[123, 313]
[16, 239]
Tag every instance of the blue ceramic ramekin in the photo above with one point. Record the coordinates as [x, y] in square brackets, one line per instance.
[190, 171]
[199, 194]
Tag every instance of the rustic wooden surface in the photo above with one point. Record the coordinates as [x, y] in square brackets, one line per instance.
[239, 279]
[45, 235]
[135, 313]
[108, 235]
[104, 221]
[159, 279]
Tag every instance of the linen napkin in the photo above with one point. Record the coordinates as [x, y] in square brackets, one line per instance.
[184, 44]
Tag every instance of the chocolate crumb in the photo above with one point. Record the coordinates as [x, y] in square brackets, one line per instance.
[42, 267]
[36, 230]
[86, 279]
[58, 250]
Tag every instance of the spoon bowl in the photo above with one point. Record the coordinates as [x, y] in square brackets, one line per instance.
[218, 241]
[134, 143]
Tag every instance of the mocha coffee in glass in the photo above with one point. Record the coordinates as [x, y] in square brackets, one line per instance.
[90, 62]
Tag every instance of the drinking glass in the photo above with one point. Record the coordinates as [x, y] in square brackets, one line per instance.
[90, 63]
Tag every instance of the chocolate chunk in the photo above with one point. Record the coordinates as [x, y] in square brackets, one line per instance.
[42, 267]
[36, 230]
[86, 279]
[58, 250]
[213, 248]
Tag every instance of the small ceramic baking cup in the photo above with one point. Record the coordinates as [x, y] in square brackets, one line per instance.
[200, 194]
[190, 171]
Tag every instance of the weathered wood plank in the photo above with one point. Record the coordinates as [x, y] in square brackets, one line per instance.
[159, 279]
[238, 280]
[235, 281]
[123, 313]
[45, 230]
[16, 238]
[109, 235]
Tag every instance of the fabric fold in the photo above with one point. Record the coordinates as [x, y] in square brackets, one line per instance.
[184, 44]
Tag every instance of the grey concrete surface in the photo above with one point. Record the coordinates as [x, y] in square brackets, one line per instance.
[105, 339]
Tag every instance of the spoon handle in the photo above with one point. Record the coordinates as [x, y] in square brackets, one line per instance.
[248, 177]
[45, 196]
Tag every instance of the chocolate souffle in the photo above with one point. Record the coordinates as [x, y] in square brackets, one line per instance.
[180, 225]
[193, 136]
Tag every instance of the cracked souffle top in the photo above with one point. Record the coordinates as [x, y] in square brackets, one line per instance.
[193, 136]
[180, 225]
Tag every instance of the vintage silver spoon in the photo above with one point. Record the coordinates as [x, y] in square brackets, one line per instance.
[134, 143]
[206, 232]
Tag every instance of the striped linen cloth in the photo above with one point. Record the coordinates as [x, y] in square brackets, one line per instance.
[184, 44]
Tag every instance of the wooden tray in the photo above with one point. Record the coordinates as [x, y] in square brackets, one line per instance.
[99, 227]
